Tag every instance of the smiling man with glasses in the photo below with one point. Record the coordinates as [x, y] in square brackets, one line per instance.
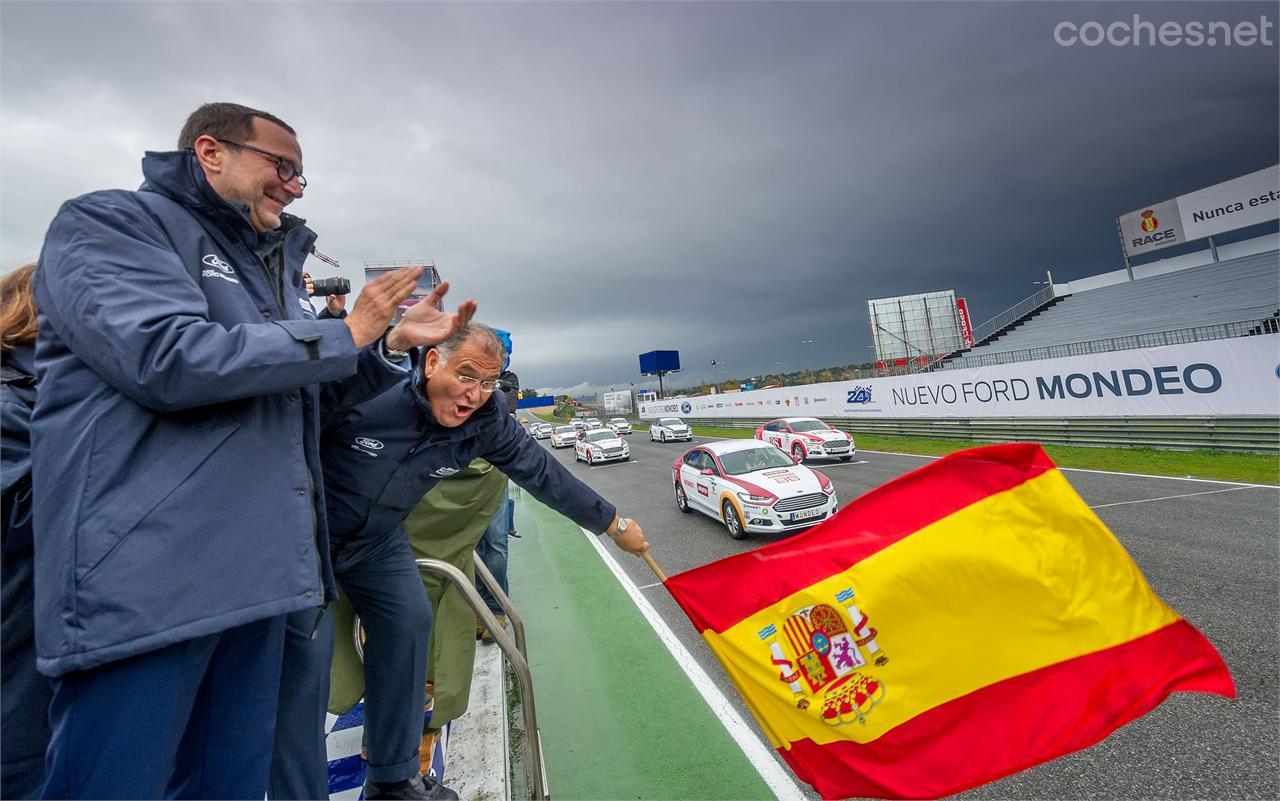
[380, 458]
[182, 533]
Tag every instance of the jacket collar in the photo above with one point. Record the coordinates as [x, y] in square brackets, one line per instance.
[176, 174]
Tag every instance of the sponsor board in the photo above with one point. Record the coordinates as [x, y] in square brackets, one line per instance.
[1225, 377]
[1243, 201]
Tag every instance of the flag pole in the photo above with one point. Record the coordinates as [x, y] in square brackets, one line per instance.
[657, 571]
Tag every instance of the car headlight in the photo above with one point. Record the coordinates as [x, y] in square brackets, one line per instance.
[830, 489]
[749, 498]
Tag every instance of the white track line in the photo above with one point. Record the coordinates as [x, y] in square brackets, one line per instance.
[1170, 497]
[616, 464]
[762, 758]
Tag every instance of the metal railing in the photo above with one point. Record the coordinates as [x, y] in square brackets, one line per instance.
[1176, 336]
[1012, 314]
[535, 768]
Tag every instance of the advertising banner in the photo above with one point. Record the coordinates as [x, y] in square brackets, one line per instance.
[617, 402]
[1223, 377]
[1243, 201]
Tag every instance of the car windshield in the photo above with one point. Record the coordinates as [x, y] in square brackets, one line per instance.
[752, 459]
[599, 436]
[800, 426]
[566, 430]
[670, 421]
[617, 421]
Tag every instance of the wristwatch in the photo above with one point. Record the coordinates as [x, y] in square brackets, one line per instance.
[620, 529]
[392, 355]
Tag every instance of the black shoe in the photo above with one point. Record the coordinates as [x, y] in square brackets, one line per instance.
[419, 787]
[513, 534]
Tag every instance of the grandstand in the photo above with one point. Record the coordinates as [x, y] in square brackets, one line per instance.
[1236, 297]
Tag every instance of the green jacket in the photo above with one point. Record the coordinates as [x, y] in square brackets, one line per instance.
[447, 525]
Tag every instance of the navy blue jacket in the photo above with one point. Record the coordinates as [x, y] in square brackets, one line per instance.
[176, 439]
[26, 695]
[382, 456]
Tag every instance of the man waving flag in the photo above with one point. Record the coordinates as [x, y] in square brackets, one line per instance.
[961, 623]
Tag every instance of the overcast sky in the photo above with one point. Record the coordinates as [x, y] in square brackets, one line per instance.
[724, 179]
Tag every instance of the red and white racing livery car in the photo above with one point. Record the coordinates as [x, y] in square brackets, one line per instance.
[751, 487]
[805, 437]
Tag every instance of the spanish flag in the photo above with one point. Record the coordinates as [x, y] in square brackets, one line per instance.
[959, 624]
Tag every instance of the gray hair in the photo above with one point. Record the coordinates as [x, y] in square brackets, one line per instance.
[479, 333]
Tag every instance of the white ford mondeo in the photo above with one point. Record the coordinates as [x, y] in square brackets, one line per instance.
[752, 487]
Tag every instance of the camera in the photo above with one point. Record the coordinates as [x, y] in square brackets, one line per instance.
[330, 286]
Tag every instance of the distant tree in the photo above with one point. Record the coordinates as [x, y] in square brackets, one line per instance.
[530, 392]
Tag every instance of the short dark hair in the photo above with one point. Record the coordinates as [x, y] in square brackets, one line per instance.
[224, 121]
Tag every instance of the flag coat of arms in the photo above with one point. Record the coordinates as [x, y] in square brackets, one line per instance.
[956, 625]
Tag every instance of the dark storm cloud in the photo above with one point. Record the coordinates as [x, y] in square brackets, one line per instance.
[728, 179]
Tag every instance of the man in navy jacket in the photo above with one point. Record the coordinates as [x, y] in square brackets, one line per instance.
[380, 458]
[178, 496]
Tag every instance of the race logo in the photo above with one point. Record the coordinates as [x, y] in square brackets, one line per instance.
[823, 655]
[686, 407]
[445, 472]
[859, 394]
[221, 269]
[1149, 222]
[788, 402]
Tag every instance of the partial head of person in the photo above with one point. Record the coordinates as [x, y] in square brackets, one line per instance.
[462, 372]
[17, 308]
[249, 157]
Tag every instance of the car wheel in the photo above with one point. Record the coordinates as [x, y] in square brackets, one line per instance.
[797, 452]
[663, 436]
[590, 458]
[682, 503]
[732, 521]
[846, 458]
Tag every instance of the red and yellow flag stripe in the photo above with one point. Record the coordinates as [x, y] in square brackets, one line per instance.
[1011, 625]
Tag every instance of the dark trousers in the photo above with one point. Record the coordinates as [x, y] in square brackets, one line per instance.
[300, 764]
[492, 550]
[193, 720]
[383, 584]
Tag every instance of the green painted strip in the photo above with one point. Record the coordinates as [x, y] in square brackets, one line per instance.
[619, 719]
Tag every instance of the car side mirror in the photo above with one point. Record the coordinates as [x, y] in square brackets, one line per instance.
[707, 471]
[797, 458]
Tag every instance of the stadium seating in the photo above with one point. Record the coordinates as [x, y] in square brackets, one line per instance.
[1245, 288]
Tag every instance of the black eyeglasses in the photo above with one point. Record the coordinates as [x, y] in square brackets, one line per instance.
[285, 168]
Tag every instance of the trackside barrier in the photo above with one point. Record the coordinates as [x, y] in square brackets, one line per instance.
[1174, 433]
[535, 768]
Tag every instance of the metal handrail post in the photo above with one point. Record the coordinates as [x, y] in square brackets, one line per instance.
[534, 766]
[491, 583]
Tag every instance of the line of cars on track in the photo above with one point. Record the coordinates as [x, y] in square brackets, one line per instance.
[759, 485]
